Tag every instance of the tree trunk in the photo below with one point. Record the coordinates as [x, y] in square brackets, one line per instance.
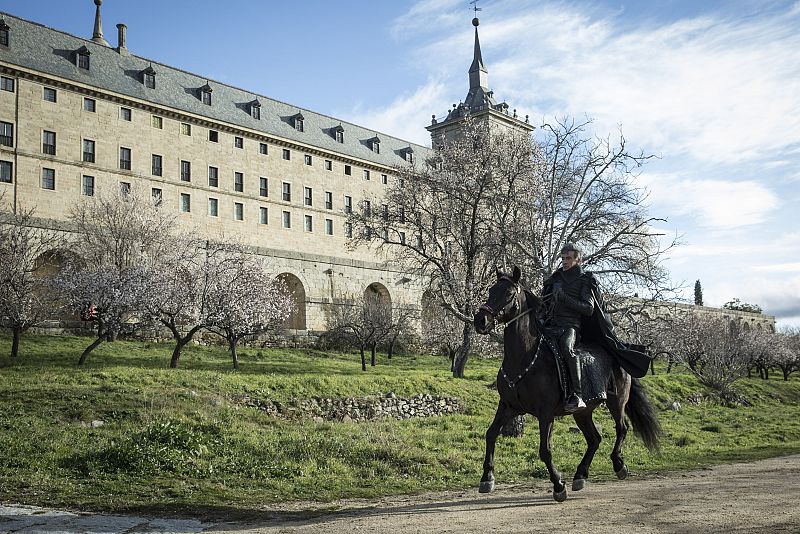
[372, 356]
[786, 373]
[391, 348]
[180, 342]
[460, 360]
[514, 428]
[90, 348]
[15, 341]
[232, 341]
[363, 359]
[653, 367]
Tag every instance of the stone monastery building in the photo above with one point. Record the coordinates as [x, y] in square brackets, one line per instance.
[80, 116]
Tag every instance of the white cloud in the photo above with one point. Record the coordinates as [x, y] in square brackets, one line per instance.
[711, 203]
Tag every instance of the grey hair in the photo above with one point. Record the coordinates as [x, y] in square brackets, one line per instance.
[570, 247]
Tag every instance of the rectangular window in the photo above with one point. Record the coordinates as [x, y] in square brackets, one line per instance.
[238, 211]
[156, 194]
[125, 114]
[89, 105]
[287, 155]
[125, 158]
[124, 188]
[186, 203]
[156, 122]
[6, 134]
[419, 241]
[48, 179]
[207, 98]
[4, 36]
[402, 215]
[262, 148]
[287, 219]
[87, 186]
[213, 136]
[366, 174]
[213, 207]
[255, 112]
[402, 238]
[298, 124]
[149, 80]
[6, 172]
[263, 187]
[49, 143]
[308, 159]
[307, 196]
[7, 84]
[186, 128]
[328, 165]
[329, 226]
[348, 204]
[384, 179]
[339, 136]
[385, 212]
[348, 170]
[49, 94]
[263, 215]
[186, 171]
[366, 207]
[328, 200]
[238, 142]
[348, 229]
[83, 61]
[287, 192]
[238, 182]
[309, 223]
[213, 177]
[88, 150]
[157, 169]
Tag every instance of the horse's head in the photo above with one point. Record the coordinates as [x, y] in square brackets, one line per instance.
[504, 302]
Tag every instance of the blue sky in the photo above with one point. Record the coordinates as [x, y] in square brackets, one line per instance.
[712, 88]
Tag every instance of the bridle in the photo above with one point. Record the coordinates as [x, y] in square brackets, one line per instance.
[496, 314]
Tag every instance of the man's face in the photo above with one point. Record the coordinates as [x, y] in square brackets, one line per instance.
[568, 260]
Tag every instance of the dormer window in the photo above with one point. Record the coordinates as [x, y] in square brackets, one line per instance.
[338, 133]
[408, 154]
[4, 32]
[375, 144]
[82, 57]
[255, 109]
[149, 77]
[205, 94]
[298, 122]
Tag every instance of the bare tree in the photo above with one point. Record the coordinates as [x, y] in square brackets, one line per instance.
[120, 239]
[246, 300]
[787, 352]
[26, 296]
[361, 322]
[400, 328]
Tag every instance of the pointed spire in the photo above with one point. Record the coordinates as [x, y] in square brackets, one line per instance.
[97, 35]
[478, 75]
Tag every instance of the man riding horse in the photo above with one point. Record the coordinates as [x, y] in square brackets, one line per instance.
[576, 310]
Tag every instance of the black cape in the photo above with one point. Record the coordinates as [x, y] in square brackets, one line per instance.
[597, 328]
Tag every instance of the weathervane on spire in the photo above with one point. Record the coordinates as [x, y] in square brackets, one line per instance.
[475, 8]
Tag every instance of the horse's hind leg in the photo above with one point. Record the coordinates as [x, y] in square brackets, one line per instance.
[546, 455]
[501, 416]
[593, 438]
[616, 406]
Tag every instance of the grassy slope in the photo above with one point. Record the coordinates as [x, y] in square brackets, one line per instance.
[174, 441]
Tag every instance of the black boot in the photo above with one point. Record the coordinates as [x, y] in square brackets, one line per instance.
[574, 400]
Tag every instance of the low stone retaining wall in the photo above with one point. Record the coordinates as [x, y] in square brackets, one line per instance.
[352, 409]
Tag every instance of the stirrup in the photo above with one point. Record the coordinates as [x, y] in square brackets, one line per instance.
[573, 404]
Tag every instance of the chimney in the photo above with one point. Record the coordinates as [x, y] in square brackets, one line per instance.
[121, 48]
[97, 35]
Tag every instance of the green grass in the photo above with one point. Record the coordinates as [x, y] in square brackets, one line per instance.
[174, 441]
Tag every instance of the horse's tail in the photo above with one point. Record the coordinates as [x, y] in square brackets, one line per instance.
[643, 416]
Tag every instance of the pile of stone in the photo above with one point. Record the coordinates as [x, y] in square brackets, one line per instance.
[350, 409]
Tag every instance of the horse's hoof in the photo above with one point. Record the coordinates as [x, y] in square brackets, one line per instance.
[560, 496]
[622, 474]
[486, 486]
[578, 484]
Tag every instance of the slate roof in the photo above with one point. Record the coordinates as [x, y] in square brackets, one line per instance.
[37, 47]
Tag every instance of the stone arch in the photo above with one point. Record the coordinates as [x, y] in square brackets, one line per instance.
[297, 319]
[427, 305]
[377, 292]
[745, 326]
[51, 264]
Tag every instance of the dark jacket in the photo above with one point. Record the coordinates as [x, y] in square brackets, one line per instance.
[597, 328]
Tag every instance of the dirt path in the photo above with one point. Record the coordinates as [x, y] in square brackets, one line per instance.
[762, 496]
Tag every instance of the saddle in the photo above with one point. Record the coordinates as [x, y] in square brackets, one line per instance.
[597, 368]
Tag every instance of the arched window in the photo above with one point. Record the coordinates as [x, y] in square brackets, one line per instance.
[297, 320]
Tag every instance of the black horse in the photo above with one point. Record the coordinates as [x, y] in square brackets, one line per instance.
[528, 382]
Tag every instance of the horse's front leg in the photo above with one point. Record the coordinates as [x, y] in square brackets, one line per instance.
[545, 432]
[593, 438]
[501, 416]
